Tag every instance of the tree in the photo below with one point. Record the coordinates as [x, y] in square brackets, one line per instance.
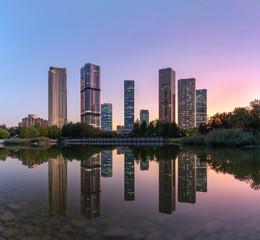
[143, 128]
[4, 133]
[136, 129]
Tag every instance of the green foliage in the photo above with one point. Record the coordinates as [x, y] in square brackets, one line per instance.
[198, 139]
[17, 142]
[4, 133]
[4, 153]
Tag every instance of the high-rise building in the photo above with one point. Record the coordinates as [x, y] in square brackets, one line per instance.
[106, 163]
[201, 107]
[32, 119]
[57, 177]
[90, 187]
[106, 117]
[129, 176]
[201, 173]
[187, 177]
[129, 109]
[144, 164]
[144, 116]
[186, 103]
[90, 94]
[57, 96]
[167, 95]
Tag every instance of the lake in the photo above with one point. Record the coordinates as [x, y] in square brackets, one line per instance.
[129, 193]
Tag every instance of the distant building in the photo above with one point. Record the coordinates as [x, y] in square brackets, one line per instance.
[201, 107]
[57, 96]
[32, 119]
[90, 94]
[144, 116]
[57, 178]
[144, 164]
[129, 94]
[186, 103]
[106, 117]
[119, 129]
[106, 163]
[167, 95]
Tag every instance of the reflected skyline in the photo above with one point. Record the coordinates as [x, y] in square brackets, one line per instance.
[57, 178]
[129, 169]
[106, 163]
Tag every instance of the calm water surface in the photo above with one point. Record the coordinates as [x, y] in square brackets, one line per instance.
[129, 193]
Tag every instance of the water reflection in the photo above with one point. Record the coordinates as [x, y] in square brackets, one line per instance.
[201, 173]
[57, 177]
[90, 187]
[129, 175]
[106, 163]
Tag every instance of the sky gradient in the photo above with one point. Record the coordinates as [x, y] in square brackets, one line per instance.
[214, 41]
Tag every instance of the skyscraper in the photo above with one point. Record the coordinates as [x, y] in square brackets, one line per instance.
[201, 173]
[201, 107]
[129, 176]
[144, 116]
[57, 107]
[186, 103]
[106, 163]
[106, 117]
[129, 94]
[167, 95]
[90, 94]
[57, 178]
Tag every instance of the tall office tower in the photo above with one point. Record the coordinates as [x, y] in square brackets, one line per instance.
[90, 187]
[144, 164]
[201, 107]
[144, 116]
[186, 103]
[106, 163]
[106, 117]
[167, 95]
[57, 178]
[167, 200]
[129, 108]
[201, 173]
[129, 176]
[90, 94]
[57, 107]
[187, 177]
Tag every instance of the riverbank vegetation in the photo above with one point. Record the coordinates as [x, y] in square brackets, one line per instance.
[36, 141]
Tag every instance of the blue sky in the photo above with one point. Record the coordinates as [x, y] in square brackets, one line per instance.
[215, 41]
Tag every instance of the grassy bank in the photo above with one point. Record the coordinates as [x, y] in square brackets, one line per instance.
[36, 141]
[223, 137]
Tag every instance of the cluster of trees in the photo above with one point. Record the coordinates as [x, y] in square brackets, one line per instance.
[244, 118]
[157, 128]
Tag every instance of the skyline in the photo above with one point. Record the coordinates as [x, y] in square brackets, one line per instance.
[213, 42]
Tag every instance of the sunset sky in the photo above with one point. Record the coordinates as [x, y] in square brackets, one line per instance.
[215, 41]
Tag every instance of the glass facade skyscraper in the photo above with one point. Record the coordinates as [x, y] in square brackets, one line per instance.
[201, 107]
[106, 117]
[129, 96]
[57, 96]
[167, 95]
[144, 116]
[186, 103]
[90, 94]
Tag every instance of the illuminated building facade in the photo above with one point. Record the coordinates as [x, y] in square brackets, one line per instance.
[106, 117]
[129, 111]
[129, 176]
[144, 116]
[186, 103]
[57, 96]
[32, 119]
[106, 163]
[90, 94]
[167, 95]
[201, 107]
[57, 177]
[201, 173]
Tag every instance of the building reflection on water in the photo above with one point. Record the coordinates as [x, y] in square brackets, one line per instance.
[187, 178]
[167, 186]
[144, 164]
[201, 173]
[57, 177]
[129, 176]
[106, 163]
[90, 187]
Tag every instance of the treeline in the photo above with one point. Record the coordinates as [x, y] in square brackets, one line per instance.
[157, 128]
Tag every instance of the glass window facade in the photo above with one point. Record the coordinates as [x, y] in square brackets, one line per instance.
[106, 117]
[144, 116]
[201, 107]
[129, 110]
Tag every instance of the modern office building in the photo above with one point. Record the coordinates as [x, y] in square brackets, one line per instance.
[187, 103]
[57, 177]
[144, 116]
[167, 202]
[90, 94]
[106, 163]
[90, 187]
[57, 106]
[187, 178]
[32, 119]
[129, 176]
[129, 109]
[167, 95]
[201, 107]
[106, 117]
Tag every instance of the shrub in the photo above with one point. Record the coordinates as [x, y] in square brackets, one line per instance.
[4, 133]
[198, 139]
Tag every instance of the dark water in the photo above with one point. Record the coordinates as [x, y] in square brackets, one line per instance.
[129, 193]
